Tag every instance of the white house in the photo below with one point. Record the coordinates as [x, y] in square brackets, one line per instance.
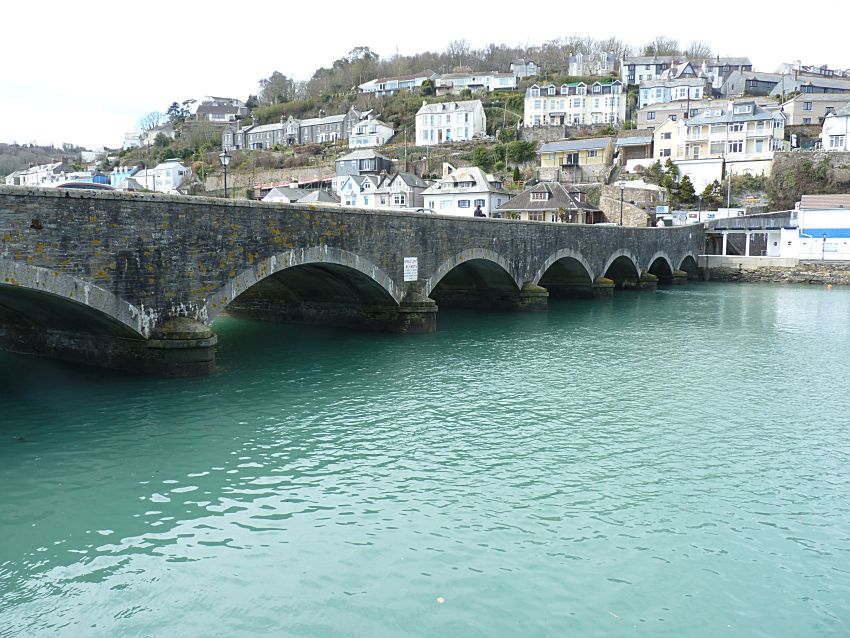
[450, 122]
[369, 133]
[461, 190]
[524, 68]
[835, 135]
[166, 177]
[390, 86]
[360, 190]
[43, 174]
[453, 83]
[821, 231]
[402, 190]
[575, 103]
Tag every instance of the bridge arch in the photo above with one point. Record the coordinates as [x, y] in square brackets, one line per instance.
[475, 278]
[59, 301]
[341, 271]
[661, 266]
[567, 273]
[621, 267]
[690, 266]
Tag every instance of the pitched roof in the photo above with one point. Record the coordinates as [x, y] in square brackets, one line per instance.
[284, 192]
[468, 179]
[319, 196]
[576, 145]
[556, 197]
[635, 140]
[728, 115]
[815, 202]
[365, 153]
[440, 107]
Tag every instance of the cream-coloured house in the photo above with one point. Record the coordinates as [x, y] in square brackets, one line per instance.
[812, 108]
[577, 161]
[742, 133]
[575, 103]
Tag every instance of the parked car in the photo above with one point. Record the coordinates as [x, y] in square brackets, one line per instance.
[87, 185]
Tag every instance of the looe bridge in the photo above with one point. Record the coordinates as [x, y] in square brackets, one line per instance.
[134, 281]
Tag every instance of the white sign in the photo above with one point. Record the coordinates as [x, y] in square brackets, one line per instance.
[662, 210]
[411, 268]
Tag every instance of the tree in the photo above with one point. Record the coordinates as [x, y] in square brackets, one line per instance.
[276, 88]
[686, 193]
[520, 151]
[176, 113]
[150, 121]
[698, 51]
[458, 51]
[517, 176]
[428, 88]
[712, 195]
[670, 175]
[482, 158]
[661, 45]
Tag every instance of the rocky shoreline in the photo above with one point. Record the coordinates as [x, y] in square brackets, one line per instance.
[804, 272]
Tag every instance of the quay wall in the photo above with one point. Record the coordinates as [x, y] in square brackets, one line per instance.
[774, 270]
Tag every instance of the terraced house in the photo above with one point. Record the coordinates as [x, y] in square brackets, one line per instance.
[290, 132]
[742, 133]
[575, 103]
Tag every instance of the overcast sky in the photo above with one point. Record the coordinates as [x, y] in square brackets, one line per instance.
[86, 73]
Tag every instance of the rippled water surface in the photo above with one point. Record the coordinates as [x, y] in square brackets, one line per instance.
[663, 464]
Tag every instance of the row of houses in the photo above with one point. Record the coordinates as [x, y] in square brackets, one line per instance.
[169, 176]
[364, 180]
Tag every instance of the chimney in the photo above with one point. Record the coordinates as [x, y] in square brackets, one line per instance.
[447, 168]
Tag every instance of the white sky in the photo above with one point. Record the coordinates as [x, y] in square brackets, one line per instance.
[87, 73]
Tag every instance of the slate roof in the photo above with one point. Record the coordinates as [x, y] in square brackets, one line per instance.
[320, 197]
[728, 115]
[589, 143]
[635, 140]
[559, 197]
[440, 107]
[284, 192]
[465, 175]
[815, 202]
[361, 154]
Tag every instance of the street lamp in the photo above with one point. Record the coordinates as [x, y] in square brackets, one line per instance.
[224, 158]
[622, 192]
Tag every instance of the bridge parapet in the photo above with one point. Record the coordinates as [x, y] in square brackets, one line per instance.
[121, 266]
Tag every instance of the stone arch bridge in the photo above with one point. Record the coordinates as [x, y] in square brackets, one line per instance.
[133, 281]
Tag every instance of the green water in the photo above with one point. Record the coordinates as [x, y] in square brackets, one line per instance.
[662, 464]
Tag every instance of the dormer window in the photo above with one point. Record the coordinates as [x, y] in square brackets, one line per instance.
[535, 91]
[581, 89]
[597, 88]
[743, 108]
[564, 89]
[539, 197]
[551, 89]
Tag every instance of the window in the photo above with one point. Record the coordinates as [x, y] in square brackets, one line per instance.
[674, 117]
[735, 147]
[737, 127]
[807, 120]
[535, 216]
[807, 106]
[581, 90]
[836, 141]
[480, 202]
[650, 115]
[536, 104]
[445, 203]
[399, 199]
[539, 197]
[570, 159]
[593, 153]
[665, 152]
[463, 203]
[597, 88]
[666, 136]
[743, 108]
[552, 89]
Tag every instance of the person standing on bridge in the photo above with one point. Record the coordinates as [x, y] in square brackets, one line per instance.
[478, 212]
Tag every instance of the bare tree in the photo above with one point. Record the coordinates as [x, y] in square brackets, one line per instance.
[151, 121]
[662, 45]
[458, 51]
[698, 51]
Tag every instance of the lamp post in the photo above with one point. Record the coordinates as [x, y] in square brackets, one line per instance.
[224, 158]
[622, 192]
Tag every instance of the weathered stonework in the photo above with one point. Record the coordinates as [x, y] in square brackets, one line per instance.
[120, 267]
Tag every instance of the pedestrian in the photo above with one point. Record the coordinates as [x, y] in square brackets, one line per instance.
[478, 212]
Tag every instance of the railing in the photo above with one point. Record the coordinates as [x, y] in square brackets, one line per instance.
[768, 221]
